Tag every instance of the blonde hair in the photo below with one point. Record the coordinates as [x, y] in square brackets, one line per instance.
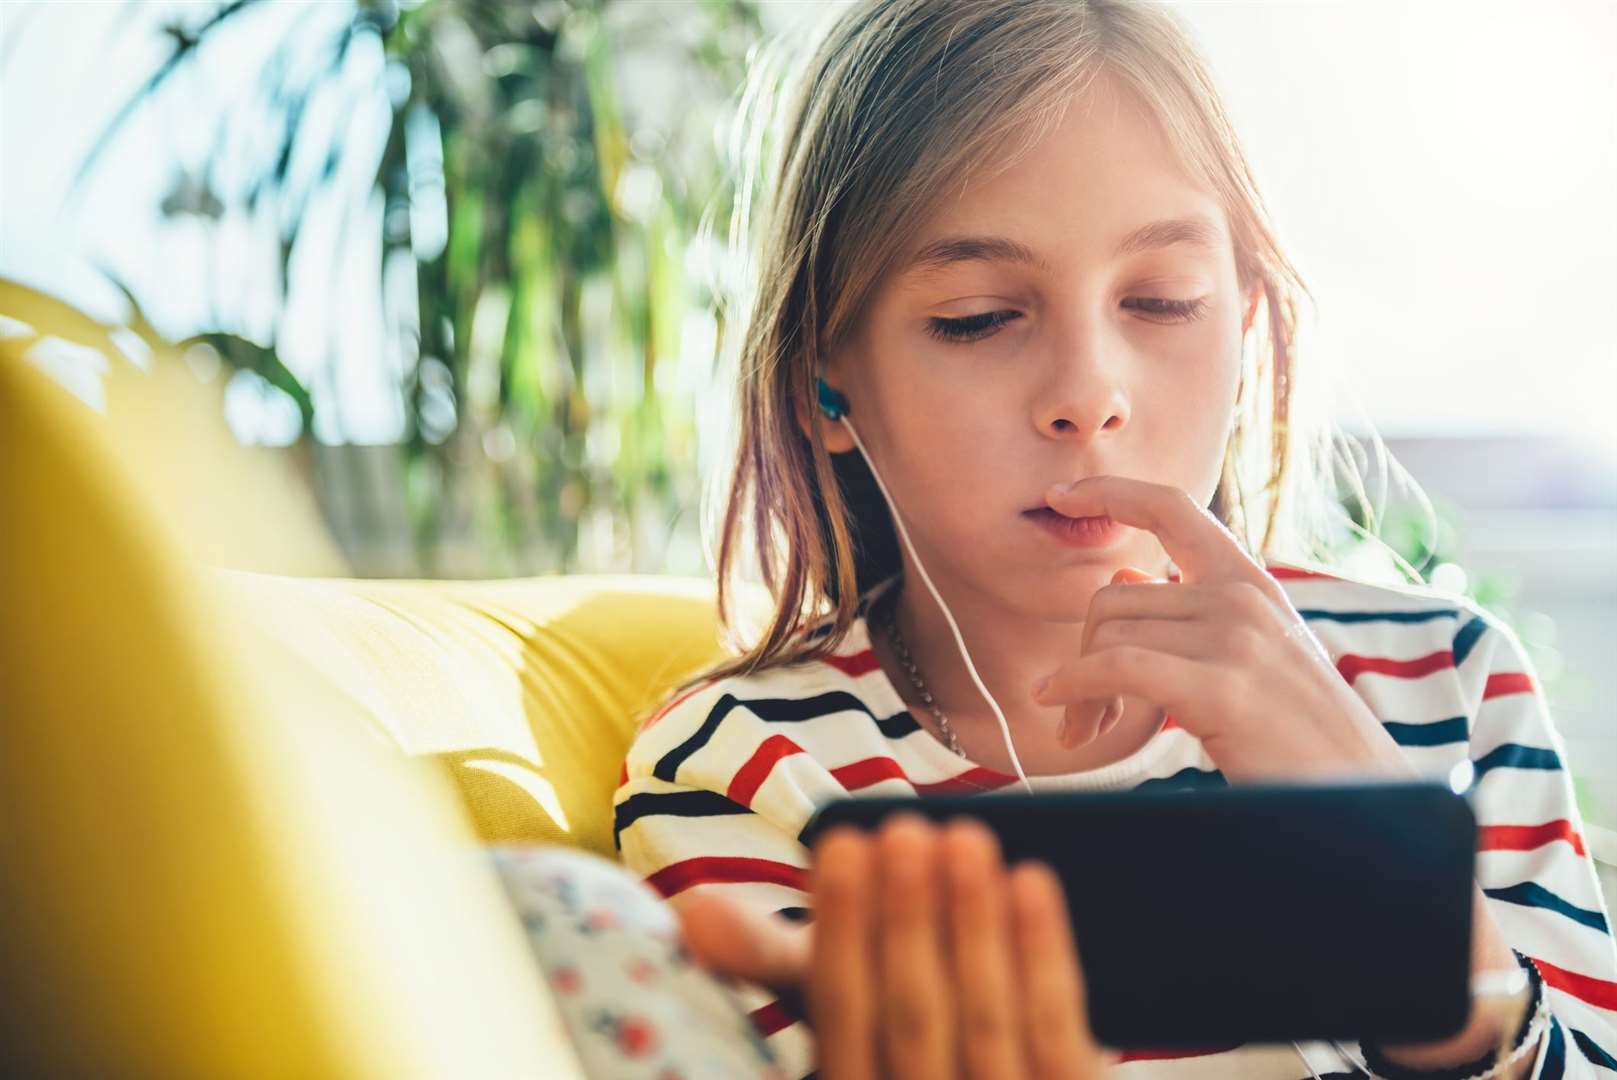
[899, 98]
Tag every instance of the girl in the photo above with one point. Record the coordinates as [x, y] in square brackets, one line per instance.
[1017, 263]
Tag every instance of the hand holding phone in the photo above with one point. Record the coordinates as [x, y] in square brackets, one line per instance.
[927, 957]
[1264, 913]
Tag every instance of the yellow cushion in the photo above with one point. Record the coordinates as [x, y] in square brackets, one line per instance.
[525, 691]
[209, 868]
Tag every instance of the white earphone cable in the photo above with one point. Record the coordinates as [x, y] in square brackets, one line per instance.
[898, 520]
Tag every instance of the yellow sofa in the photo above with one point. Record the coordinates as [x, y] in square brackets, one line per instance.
[216, 861]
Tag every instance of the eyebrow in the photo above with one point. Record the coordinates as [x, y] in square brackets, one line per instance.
[1195, 231]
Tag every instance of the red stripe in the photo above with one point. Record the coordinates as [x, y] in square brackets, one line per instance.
[976, 778]
[1501, 683]
[770, 1018]
[1600, 993]
[1527, 837]
[623, 773]
[860, 663]
[1169, 722]
[745, 783]
[1352, 665]
[1172, 1052]
[862, 774]
[1292, 573]
[677, 877]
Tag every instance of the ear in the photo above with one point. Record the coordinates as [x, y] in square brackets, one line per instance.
[1254, 295]
[833, 432]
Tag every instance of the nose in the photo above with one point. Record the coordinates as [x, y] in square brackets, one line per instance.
[1081, 401]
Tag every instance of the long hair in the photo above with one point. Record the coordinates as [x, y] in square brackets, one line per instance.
[846, 152]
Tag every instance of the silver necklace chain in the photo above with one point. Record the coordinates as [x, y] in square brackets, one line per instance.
[904, 658]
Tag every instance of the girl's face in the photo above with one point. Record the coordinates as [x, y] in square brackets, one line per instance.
[1077, 314]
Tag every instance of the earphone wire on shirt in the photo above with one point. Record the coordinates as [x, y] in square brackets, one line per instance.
[898, 520]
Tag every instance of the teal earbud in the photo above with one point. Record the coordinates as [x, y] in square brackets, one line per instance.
[832, 403]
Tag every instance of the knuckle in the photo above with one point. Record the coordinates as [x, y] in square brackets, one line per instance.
[835, 1010]
[1250, 597]
[1047, 1017]
[1225, 692]
[908, 1020]
[987, 1025]
[1248, 641]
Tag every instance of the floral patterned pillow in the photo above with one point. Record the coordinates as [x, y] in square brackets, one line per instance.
[635, 1003]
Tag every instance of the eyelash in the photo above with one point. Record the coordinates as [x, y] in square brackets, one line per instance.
[976, 327]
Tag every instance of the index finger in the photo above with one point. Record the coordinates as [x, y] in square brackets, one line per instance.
[1197, 542]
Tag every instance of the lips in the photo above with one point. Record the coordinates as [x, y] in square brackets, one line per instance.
[1045, 508]
[1096, 531]
[1050, 511]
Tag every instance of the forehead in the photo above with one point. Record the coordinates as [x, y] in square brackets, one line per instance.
[1102, 184]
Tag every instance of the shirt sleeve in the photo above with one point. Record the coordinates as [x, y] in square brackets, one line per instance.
[688, 815]
[1532, 863]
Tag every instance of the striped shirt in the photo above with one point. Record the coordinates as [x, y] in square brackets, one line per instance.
[719, 783]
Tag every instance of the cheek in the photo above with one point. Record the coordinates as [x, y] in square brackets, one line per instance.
[1190, 403]
[949, 444]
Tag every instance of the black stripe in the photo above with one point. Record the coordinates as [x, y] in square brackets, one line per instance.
[1377, 616]
[796, 710]
[674, 804]
[1555, 1056]
[1516, 756]
[1466, 637]
[668, 765]
[1455, 729]
[1532, 894]
[898, 725]
[1188, 778]
[775, 710]
[1592, 1051]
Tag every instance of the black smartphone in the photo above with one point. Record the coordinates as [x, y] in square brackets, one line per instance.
[1252, 913]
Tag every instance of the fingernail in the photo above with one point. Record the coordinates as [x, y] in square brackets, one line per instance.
[1041, 686]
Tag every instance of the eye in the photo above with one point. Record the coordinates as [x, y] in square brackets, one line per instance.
[1175, 310]
[971, 327]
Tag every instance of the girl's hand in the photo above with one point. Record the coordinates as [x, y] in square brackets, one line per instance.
[931, 960]
[1223, 650]
[926, 957]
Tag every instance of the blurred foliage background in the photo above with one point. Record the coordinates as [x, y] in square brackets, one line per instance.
[540, 259]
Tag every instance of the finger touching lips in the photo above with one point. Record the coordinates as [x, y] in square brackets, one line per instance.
[1198, 543]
